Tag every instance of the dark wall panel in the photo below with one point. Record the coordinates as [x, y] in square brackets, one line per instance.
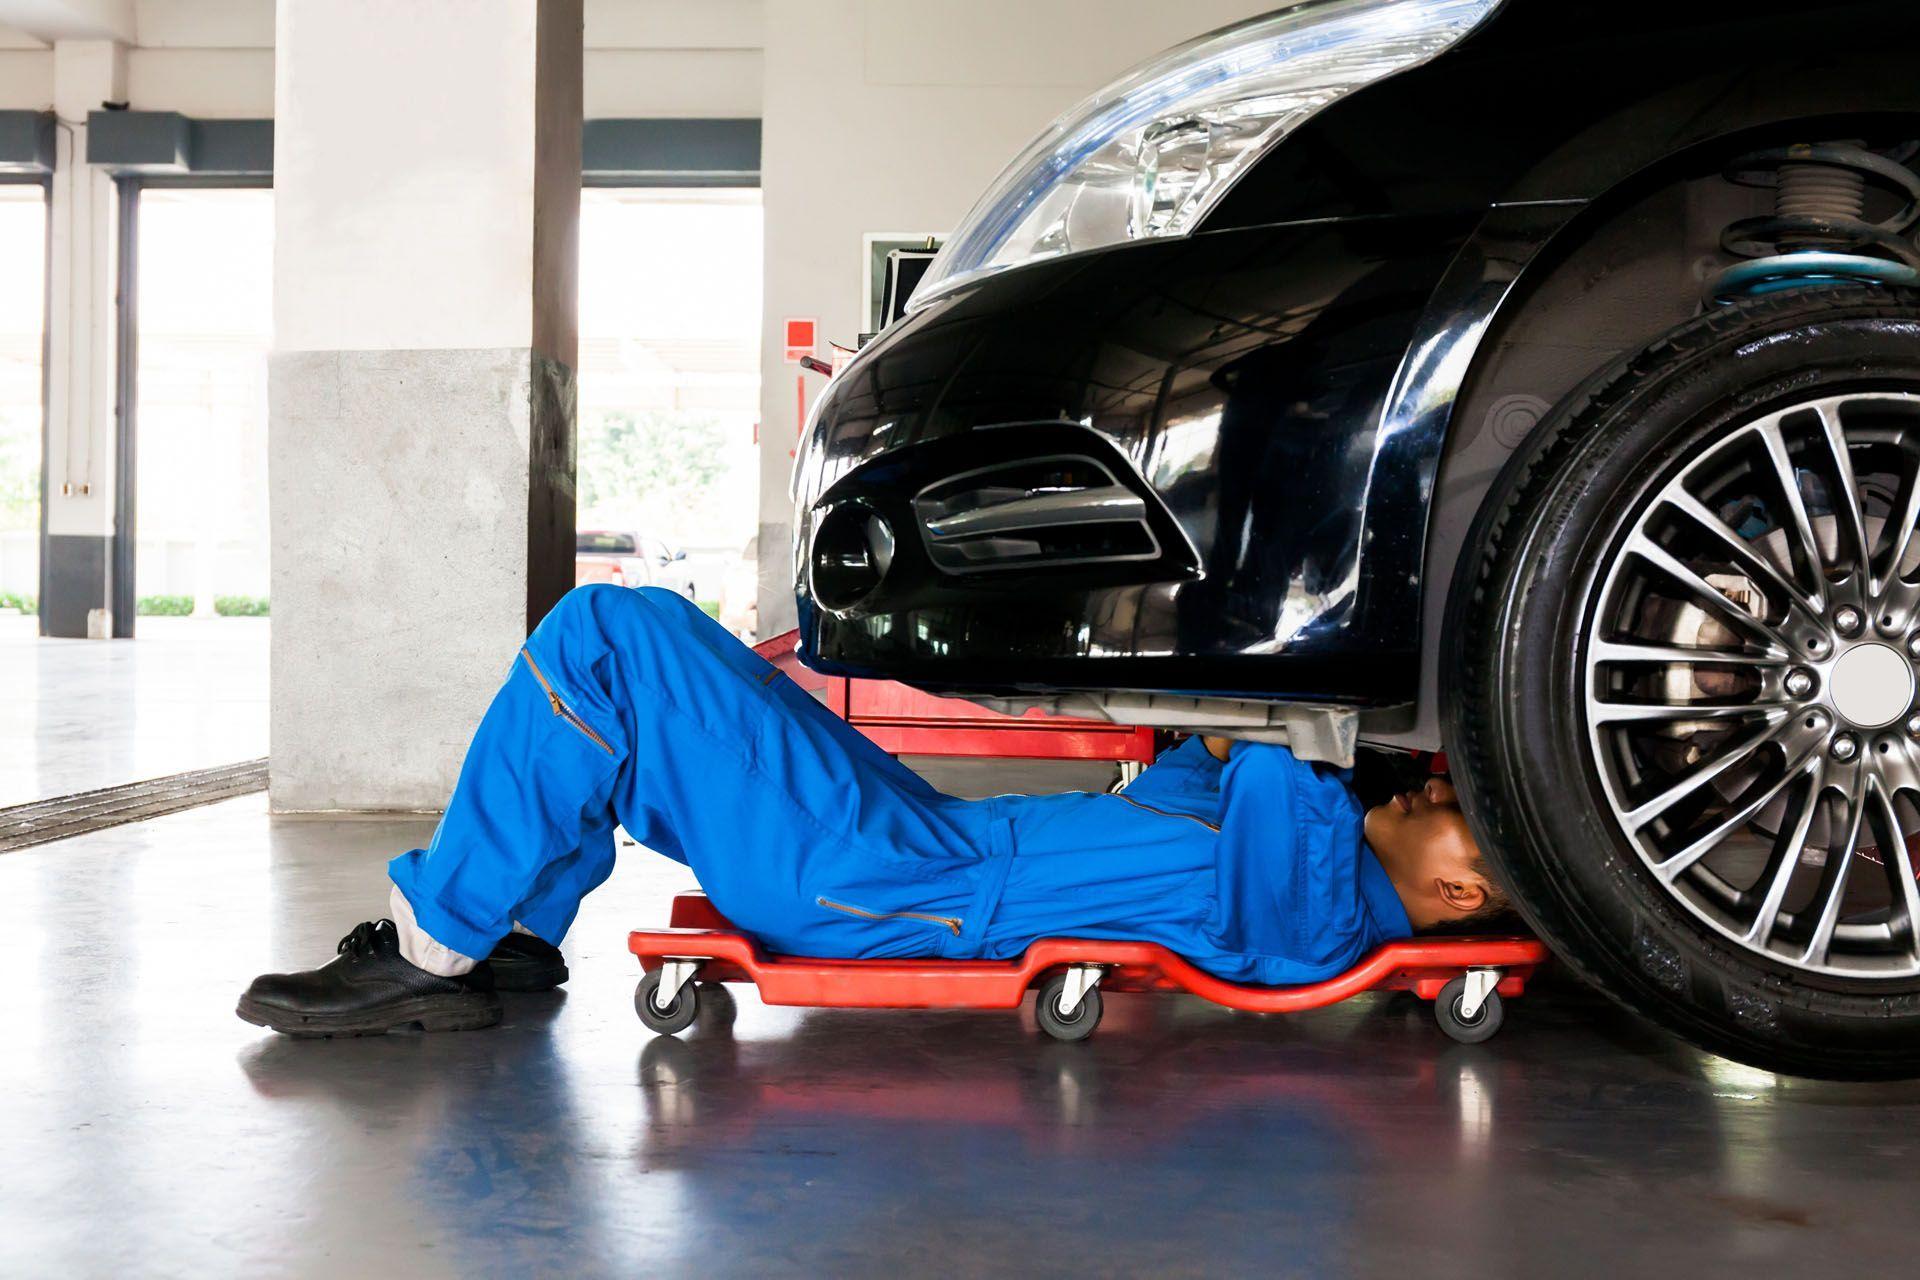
[75, 571]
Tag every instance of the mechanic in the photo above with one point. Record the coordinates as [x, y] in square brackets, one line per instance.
[633, 707]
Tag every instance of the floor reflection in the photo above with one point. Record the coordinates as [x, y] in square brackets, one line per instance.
[149, 1130]
[190, 693]
[1357, 1141]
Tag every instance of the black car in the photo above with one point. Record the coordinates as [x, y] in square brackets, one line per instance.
[1537, 380]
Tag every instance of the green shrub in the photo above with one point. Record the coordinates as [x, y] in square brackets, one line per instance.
[240, 606]
[14, 600]
[712, 607]
[163, 606]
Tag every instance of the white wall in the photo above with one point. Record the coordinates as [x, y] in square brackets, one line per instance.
[213, 59]
[674, 57]
[893, 116]
[207, 58]
[26, 74]
[467, 276]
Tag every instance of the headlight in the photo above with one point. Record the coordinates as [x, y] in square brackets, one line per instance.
[1149, 154]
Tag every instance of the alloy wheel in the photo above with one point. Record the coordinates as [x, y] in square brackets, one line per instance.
[1750, 684]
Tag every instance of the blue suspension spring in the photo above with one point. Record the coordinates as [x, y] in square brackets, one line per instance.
[1818, 233]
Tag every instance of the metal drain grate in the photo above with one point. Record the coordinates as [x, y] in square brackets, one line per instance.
[42, 821]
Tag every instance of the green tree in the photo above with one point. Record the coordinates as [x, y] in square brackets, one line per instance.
[653, 464]
[19, 480]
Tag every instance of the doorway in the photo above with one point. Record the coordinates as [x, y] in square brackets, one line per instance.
[203, 324]
[669, 392]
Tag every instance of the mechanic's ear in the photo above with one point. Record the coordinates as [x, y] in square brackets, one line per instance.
[1463, 896]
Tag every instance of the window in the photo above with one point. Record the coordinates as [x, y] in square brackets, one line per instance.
[23, 257]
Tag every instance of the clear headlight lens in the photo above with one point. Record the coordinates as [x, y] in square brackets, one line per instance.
[1149, 154]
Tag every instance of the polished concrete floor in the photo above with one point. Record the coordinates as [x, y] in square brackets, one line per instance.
[77, 715]
[147, 1131]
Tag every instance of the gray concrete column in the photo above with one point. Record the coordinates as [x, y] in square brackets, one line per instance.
[77, 555]
[420, 392]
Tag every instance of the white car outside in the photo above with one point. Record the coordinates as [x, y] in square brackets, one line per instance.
[630, 560]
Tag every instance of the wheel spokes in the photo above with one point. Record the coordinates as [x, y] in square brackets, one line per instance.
[1723, 701]
[1832, 890]
[1732, 821]
[1850, 514]
[1669, 712]
[1679, 655]
[1901, 532]
[1897, 859]
[1743, 554]
[1740, 752]
[1788, 848]
[1784, 476]
[1704, 593]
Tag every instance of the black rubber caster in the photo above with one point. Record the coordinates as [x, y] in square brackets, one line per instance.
[674, 1018]
[1485, 1021]
[1076, 1026]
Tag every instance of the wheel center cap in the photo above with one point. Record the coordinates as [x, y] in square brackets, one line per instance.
[1872, 685]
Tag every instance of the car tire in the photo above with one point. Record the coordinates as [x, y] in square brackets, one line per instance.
[1542, 651]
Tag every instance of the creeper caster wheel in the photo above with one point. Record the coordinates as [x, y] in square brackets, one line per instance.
[1055, 991]
[675, 1014]
[1450, 1009]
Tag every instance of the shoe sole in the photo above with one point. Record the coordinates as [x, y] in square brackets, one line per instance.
[426, 1013]
[527, 977]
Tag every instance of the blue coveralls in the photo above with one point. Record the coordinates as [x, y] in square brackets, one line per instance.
[633, 707]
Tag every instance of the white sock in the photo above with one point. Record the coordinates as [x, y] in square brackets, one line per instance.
[419, 948]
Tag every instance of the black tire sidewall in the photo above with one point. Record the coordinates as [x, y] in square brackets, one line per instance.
[1548, 535]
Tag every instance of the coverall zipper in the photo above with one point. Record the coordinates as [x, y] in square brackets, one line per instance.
[1166, 813]
[560, 708]
[950, 922]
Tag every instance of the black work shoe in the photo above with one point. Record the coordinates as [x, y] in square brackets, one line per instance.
[522, 962]
[368, 989]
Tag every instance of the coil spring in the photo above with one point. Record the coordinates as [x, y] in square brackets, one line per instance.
[1814, 191]
[1819, 203]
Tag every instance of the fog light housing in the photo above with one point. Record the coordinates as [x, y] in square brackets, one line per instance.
[852, 551]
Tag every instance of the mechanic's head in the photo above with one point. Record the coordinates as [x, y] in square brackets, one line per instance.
[1422, 840]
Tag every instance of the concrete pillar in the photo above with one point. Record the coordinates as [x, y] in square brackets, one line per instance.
[421, 388]
[81, 425]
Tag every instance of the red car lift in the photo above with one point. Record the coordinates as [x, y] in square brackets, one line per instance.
[904, 721]
[1466, 978]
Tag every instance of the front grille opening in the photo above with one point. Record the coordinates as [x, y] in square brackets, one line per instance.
[1019, 480]
[1115, 540]
[1036, 512]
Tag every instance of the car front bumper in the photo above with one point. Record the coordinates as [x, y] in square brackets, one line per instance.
[1161, 467]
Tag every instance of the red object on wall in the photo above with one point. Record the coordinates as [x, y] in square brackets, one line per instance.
[905, 721]
[802, 337]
